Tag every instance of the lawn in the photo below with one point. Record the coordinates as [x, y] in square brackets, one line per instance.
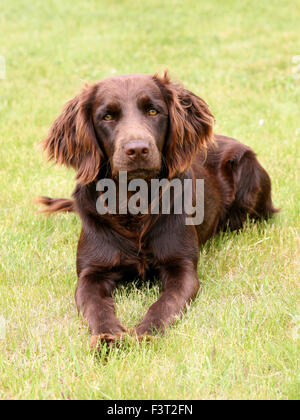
[240, 338]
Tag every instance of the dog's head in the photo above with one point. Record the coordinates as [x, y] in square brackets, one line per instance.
[137, 123]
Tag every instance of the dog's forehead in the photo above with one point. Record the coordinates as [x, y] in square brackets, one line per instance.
[127, 87]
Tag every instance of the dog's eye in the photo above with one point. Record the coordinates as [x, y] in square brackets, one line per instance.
[152, 112]
[108, 117]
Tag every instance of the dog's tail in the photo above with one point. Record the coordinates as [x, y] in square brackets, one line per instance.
[56, 205]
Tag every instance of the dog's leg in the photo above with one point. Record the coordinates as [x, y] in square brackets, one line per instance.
[94, 300]
[252, 189]
[180, 285]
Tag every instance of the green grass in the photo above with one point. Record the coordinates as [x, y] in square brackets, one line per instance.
[239, 338]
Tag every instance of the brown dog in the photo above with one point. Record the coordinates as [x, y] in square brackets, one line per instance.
[151, 128]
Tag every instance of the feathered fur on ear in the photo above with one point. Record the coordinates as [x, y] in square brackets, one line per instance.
[190, 125]
[72, 140]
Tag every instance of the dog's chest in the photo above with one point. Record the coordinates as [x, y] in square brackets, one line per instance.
[136, 253]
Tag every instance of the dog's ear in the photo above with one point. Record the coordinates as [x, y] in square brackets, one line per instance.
[190, 125]
[72, 140]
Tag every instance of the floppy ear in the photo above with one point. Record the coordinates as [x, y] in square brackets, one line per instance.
[190, 125]
[72, 140]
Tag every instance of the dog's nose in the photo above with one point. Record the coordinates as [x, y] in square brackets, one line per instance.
[137, 149]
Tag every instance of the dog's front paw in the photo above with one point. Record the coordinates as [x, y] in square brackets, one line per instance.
[109, 339]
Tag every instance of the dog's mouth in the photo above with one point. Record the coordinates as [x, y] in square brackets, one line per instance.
[137, 168]
[141, 173]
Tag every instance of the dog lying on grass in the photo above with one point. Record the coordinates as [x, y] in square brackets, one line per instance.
[150, 128]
